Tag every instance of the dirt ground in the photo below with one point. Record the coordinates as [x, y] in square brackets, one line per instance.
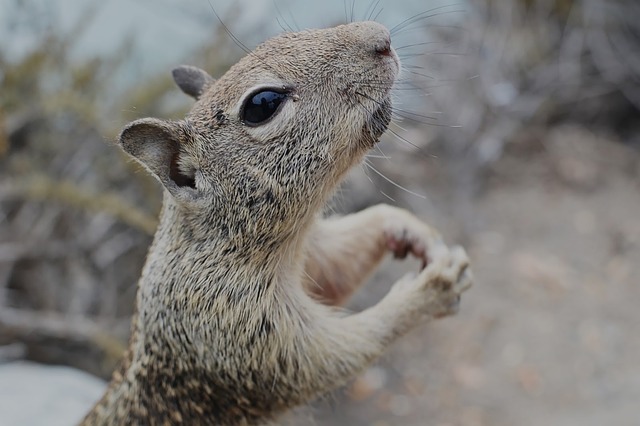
[549, 333]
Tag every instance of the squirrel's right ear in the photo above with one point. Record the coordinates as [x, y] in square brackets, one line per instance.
[159, 146]
[192, 80]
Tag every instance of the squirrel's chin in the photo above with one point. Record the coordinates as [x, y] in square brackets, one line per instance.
[378, 122]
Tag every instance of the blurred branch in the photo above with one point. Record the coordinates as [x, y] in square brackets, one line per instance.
[44, 188]
[51, 338]
[12, 252]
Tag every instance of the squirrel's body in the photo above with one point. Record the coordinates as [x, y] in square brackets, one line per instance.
[228, 327]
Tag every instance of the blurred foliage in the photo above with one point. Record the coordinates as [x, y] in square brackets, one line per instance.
[522, 66]
[530, 63]
[76, 216]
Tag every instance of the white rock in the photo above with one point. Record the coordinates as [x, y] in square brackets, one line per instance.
[34, 394]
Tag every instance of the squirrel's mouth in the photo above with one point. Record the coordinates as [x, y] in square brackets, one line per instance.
[379, 120]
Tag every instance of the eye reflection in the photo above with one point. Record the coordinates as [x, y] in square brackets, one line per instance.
[262, 106]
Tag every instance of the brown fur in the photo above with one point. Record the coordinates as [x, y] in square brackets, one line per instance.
[229, 329]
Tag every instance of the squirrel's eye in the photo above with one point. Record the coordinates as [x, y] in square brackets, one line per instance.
[261, 106]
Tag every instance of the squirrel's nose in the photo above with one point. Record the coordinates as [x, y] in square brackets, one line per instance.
[374, 36]
[384, 47]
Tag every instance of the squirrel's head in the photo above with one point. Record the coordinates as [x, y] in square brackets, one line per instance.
[288, 120]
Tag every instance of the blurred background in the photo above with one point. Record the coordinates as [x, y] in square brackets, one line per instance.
[517, 133]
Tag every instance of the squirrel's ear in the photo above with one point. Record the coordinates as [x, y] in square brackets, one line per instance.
[192, 80]
[157, 145]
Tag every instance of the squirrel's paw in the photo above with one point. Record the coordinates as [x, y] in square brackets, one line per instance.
[409, 235]
[437, 288]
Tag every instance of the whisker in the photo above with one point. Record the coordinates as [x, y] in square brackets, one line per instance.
[293, 19]
[447, 54]
[371, 9]
[383, 155]
[395, 123]
[408, 55]
[228, 31]
[375, 18]
[388, 196]
[282, 27]
[407, 46]
[424, 16]
[346, 15]
[279, 12]
[413, 66]
[414, 114]
[239, 43]
[353, 7]
[458, 28]
[412, 69]
[432, 124]
[396, 134]
[402, 139]
[392, 182]
[402, 113]
[450, 27]
[421, 74]
[364, 170]
[417, 16]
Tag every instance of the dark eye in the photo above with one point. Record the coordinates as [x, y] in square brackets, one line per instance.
[261, 106]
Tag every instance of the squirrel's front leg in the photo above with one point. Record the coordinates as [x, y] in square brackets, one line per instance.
[342, 252]
[337, 347]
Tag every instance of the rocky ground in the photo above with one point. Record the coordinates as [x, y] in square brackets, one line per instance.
[34, 394]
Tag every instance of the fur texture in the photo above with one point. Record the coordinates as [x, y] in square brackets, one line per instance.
[230, 328]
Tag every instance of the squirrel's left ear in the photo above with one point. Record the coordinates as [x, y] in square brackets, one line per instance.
[192, 80]
[159, 146]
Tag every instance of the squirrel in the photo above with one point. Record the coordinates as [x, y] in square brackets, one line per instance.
[236, 319]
